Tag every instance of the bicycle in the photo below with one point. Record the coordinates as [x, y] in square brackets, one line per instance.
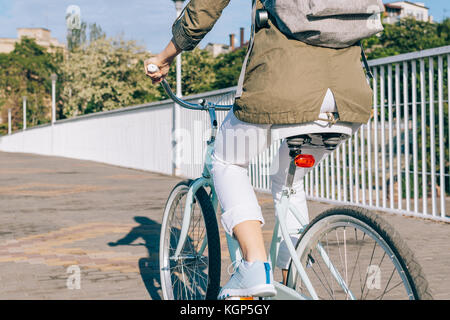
[337, 239]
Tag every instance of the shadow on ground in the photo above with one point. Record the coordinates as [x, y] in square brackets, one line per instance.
[188, 276]
[149, 230]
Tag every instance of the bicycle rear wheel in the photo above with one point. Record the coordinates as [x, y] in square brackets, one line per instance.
[351, 253]
[195, 275]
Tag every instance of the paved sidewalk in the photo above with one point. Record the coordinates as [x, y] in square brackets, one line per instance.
[57, 212]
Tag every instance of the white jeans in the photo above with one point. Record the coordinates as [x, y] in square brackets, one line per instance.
[237, 142]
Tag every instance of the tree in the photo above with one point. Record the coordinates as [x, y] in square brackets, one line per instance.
[105, 74]
[201, 72]
[198, 74]
[407, 35]
[26, 72]
[76, 37]
[228, 68]
[95, 32]
[443, 30]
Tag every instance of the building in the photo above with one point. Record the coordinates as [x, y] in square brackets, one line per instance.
[218, 48]
[406, 9]
[40, 35]
[242, 42]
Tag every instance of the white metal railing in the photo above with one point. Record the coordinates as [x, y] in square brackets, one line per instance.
[399, 161]
[135, 137]
[370, 169]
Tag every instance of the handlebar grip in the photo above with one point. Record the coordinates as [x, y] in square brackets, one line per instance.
[152, 68]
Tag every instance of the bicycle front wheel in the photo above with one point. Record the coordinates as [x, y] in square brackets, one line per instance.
[195, 273]
[351, 253]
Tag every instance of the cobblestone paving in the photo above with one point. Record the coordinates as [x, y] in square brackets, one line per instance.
[56, 213]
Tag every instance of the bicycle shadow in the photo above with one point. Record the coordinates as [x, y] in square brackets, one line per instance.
[149, 267]
[149, 230]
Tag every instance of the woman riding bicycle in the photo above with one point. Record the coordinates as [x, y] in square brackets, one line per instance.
[287, 85]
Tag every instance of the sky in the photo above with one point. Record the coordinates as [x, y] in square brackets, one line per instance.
[146, 21]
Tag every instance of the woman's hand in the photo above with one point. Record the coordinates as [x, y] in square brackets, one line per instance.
[162, 61]
[163, 66]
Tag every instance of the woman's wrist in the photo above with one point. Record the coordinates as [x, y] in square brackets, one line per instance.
[169, 53]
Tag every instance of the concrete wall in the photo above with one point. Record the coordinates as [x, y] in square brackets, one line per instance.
[136, 137]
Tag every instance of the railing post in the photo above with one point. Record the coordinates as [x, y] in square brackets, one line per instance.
[53, 77]
[24, 126]
[9, 121]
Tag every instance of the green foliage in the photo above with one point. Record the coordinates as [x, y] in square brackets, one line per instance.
[201, 72]
[76, 37]
[228, 68]
[103, 75]
[26, 72]
[197, 71]
[95, 32]
[407, 35]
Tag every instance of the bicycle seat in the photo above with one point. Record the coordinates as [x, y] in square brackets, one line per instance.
[315, 129]
[327, 140]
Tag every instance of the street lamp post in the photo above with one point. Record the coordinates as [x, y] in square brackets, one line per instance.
[176, 108]
[24, 99]
[53, 77]
[179, 8]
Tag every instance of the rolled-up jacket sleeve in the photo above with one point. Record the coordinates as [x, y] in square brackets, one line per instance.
[196, 20]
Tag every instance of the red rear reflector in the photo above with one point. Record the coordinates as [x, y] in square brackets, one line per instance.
[304, 160]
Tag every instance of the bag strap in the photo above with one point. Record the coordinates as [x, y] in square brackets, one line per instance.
[250, 46]
[366, 64]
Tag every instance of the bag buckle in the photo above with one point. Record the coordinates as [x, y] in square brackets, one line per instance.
[332, 117]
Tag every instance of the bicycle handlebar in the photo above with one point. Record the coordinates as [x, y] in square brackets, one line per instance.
[192, 106]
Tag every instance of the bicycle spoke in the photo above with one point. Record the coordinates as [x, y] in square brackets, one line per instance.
[187, 277]
[370, 263]
[399, 283]
[326, 278]
[359, 253]
[357, 258]
[320, 280]
[332, 282]
[387, 284]
[192, 281]
[345, 262]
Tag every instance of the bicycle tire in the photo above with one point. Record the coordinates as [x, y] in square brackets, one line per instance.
[413, 272]
[212, 287]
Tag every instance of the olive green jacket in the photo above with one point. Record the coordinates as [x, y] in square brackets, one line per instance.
[284, 80]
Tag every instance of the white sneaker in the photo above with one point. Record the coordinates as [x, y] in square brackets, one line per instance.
[251, 279]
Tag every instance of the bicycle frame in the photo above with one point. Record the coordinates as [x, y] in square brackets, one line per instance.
[282, 207]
